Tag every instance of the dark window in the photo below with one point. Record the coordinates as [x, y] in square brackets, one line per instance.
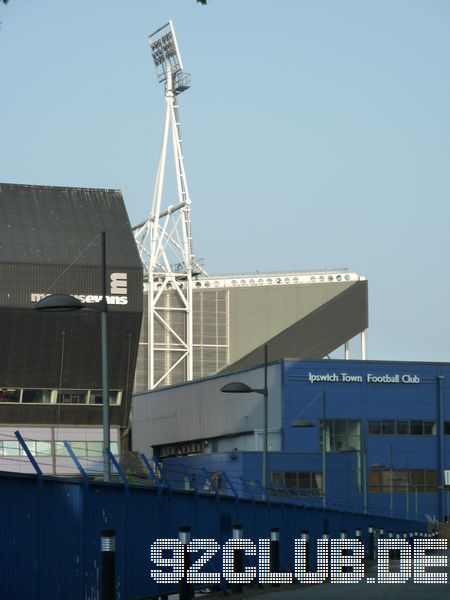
[428, 428]
[388, 427]
[37, 396]
[447, 428]
[9, 395]
[416, 427]
[304, 483]
[403, 427]
[97, 397]
[374, 427]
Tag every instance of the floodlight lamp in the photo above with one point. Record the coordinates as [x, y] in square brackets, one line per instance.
[167, 59]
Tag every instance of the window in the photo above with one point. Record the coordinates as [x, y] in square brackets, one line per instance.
[416, 427]
[390, 427]
[402, 427]
[37, 396]
[9, 395]
[95, 449]
[341, 435]
[72, 397]
[429, 428]
[43, 449]
[302, 483]
[402, 480]
[60, 449]
[10, 448]
[79, 448]
[96, 397]
[375, 427]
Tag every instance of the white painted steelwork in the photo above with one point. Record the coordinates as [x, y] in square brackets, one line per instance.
[165, 241]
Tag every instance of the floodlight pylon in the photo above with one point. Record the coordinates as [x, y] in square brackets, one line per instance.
[164, 241]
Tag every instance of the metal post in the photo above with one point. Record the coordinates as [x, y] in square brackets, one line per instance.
[397, 550]
[305, 536]
[440, 440]
[275, 552]
[184, 536]
[407, 495]
[391, 487]
[265, 477]
[364, 467]
[363, 345]
[108, 564]
[238, 534]
[371, 546]
[324, 449]
[105, 374]
[345, 552]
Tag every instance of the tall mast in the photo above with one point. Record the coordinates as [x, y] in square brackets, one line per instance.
[165, 241]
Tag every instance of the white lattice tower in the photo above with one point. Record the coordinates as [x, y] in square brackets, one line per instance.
[164, 241]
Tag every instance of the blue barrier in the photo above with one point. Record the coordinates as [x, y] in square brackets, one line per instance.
[50, 531]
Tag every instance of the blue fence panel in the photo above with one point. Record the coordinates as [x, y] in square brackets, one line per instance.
[50, 532]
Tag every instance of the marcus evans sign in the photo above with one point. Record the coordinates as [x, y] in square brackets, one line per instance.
[118, 290]
[370, 378]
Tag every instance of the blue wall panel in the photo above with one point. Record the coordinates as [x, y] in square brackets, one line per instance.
[50, 532]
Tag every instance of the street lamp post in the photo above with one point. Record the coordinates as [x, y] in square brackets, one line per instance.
[324, 449]
[446, 489]
[307, 423]
[67, 303]
[242, 388]
[416, 501]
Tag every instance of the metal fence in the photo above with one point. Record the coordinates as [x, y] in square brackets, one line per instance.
[51, 528]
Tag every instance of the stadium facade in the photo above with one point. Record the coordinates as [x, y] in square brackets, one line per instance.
[50, 367]
[379, 440]
[304, 314]
[50, 364]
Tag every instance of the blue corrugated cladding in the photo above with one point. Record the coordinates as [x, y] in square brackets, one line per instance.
[50, 532]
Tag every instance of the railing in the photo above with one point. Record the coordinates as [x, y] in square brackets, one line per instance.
[53, 528]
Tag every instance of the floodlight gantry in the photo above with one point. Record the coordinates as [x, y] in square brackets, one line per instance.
[165, 240]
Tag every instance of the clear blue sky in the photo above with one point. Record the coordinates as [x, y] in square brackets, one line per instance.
[316, 134]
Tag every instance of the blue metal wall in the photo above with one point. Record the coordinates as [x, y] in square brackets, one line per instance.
[50, 531]
[425, 398]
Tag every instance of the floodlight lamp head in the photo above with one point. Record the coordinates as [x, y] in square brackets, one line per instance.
[167, 59]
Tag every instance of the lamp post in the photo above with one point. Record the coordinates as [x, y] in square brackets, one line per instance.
[382, 467]
[446, 489]
[307, 423]
[237, 387]
[416, 501]
[67, 303]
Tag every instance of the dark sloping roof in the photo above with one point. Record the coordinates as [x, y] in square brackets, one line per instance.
[54, 225]
[318, 333]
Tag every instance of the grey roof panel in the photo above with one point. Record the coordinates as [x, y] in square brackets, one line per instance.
[54, 225]
[318, 333]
